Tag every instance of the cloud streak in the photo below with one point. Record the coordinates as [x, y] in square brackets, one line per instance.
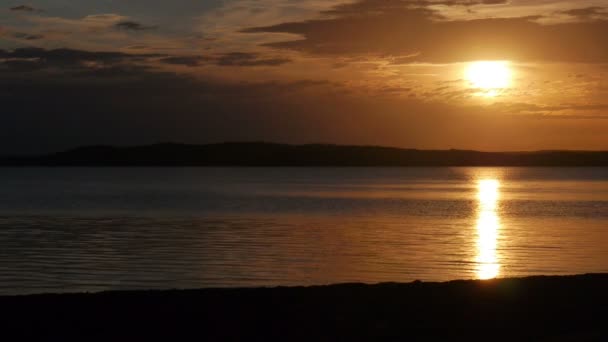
[587, 13]
[24, 8]
[232, 59]
[67, 60]
[129, 25]
[27, 36]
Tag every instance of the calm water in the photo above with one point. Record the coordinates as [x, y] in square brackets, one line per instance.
[92, 229]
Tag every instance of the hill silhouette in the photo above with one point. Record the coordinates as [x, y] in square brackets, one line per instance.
[272, 154]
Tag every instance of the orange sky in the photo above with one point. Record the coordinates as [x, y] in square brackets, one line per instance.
[386, 72]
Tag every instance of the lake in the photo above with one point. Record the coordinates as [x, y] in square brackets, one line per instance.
[94, 229]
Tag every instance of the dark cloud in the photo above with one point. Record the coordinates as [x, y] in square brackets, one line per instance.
[27, 36]
[248, 59]
[190, 61]
[24, 8]
[64, 55]
[105, 63]
[587, 12]
[494, 2]
[67, 61]
[71, 56]
[137, 47]
[133, 26]
[397, 28]
[239, 59]
[376, 7]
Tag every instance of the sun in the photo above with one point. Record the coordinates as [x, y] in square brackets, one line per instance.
[490, 77]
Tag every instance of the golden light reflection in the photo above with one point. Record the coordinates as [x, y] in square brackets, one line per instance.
[488, 226]
[489, 77]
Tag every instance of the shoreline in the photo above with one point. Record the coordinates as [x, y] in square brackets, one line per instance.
[562, 308]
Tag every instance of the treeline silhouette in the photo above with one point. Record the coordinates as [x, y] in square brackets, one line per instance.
[272, 154]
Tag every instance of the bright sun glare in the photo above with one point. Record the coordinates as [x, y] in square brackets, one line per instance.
[489, 76]
[488, 225]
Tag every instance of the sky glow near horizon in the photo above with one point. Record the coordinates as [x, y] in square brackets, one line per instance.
[485, 75]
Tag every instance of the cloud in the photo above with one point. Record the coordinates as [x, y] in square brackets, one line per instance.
[191, 61]
[106, 31]
[587, 13]
[404, 28]
[27, 36]
[24, 8]
[10, 33]
[233, 59]
[90, 26]
[70, 56]
[107, 63]
[375, 7]
[494, 2]
[67, 60]
[530, 108]
[132, 26]
[248, 59]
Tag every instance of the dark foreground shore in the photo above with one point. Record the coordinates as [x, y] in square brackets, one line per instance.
[572, 308]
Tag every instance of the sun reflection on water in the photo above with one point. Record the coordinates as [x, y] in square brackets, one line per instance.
[488, 225]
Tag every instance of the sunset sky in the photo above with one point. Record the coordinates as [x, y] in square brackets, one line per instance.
[480, 74]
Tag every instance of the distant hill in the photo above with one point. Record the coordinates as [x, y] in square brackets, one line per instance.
[270, 154]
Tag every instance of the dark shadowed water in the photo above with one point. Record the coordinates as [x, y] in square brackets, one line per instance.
[92, 229]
